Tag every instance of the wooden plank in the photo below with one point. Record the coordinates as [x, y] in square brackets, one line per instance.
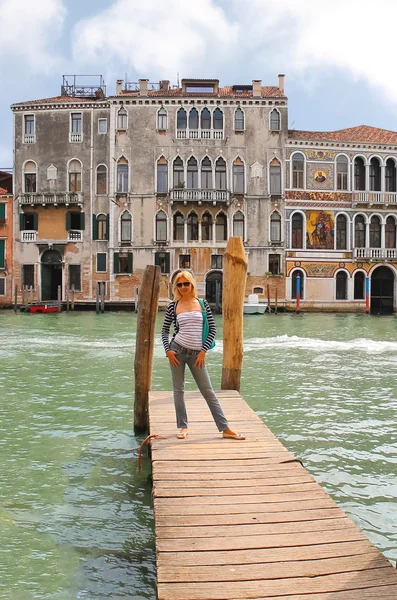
[249, 479]
[187, 492]
[212, 500]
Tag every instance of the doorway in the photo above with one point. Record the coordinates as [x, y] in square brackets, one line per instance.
[213, 288]
[382, 291]
[51, 274]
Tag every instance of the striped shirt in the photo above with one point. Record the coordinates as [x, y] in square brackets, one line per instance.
[171, 319]
[190, 332]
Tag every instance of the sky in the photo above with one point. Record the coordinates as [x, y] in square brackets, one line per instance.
[338, 57]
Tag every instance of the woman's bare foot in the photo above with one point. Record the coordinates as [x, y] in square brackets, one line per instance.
[229, 433]
[182, 434]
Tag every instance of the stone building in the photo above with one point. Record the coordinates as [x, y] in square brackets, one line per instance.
[6, 239]
[341, 217]
[105, 185]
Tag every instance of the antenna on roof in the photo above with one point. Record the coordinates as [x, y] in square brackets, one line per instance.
[177, 79]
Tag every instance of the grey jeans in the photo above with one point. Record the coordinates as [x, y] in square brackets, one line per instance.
[188, 357]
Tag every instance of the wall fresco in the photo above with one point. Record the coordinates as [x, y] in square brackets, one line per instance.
[326, 196]
[319, 179]
[320, 154]
[320, 229]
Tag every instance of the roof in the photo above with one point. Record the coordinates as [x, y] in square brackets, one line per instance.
[270, 91]
[58, 100]
[361, 133]
[3, 192]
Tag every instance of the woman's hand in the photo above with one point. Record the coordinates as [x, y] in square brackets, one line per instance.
[171, 355]
[200, 361]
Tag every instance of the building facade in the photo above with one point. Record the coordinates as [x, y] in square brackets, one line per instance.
[341, 218]
[105, 185]
[6, 240]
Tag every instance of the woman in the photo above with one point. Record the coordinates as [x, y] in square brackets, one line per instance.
[187, 348]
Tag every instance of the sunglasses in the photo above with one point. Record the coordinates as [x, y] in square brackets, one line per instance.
[183, 283]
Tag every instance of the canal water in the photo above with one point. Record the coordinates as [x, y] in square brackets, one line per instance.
[75, 519]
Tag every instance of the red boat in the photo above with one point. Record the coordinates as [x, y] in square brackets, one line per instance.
[44, 307]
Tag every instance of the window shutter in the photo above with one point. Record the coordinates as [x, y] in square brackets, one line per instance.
[68, 221]
[22, 221]
[2, 258]
[94, 228]
[107, 226]
[2, 210]
[157, 259]
[167, 262]
[129, 262]
[116, 262]
[35, 221]
[82, 221]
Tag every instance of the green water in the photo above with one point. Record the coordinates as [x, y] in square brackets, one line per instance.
[76, 520]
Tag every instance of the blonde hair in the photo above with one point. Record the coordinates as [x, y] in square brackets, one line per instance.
[187, 275]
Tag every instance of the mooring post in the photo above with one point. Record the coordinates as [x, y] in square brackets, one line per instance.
[148, 303]
[234, 280]
[73, 297]
[298, 293]
[103, 285]
[275, 301]
[367, 296]
[16, 298]
[67, 300]
[97, 298]
[31, 294]
[26, 296]
[268, 299]
[59, 298]
[136, 299]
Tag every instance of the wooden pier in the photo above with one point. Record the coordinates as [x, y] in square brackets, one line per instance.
[244, 520]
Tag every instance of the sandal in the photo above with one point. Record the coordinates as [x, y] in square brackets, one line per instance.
[181, 435]
[233, 436]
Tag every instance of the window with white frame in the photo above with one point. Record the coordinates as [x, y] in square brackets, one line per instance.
[192, 227]
[179, 227]
[238, 224]
[206, 174]
[238, 177]
[298, 166]
[102, 125]
[239, 124]
[359, 231]
[390, 175]
[216, 261]
[220, 174]
[122, 119]
[161, 226]
[181, 119]
[162, 176]
[275, 226]
[185, 261]
[126, 227]
[390, 232]
[297, 231]
[274, 264]
[375, 229]
[359, 286]
[178, 173]
[275, 177]
[193, 119]
[122, 176]
[341, 232]
[101, 180]
[275, 120]
[74, 176]
[341, 285]
[342, 173]
[76, 132]
[374, 174]
[206, 227]
[101, 262]
[205, 119]
[192, 174]
[162, 119]
[102, 227]
[359, 173]
[221, 227]
[29, 129]
[30, 177]
[218, 119]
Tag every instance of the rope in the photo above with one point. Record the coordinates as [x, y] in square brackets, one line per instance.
[146, 441]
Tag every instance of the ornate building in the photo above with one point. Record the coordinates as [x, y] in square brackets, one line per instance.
[6, 239]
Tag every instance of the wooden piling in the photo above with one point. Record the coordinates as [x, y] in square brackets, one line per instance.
[148, 303]
[234, 280]
[73, 297]
[276, 303]
[103, 285]
[26, 296]
[59, 298]
[97, 298]
[268, 298]
[16, 298]
[67, 300]
[31, 295]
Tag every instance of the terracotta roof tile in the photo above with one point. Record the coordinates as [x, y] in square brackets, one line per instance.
[56, 100]
[223, 92]
[3, 192]
[362, 133]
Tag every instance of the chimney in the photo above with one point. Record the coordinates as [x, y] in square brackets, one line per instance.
[281, 83]
[143, 85]
[119, 87]
[164, 85]
[256, 88]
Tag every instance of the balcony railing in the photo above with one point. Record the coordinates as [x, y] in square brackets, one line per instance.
[75, 138]
[57, 198]
[375, 197]
[29, 138]
[376, 253]
[199, 134]
[200, 195]
[75, 235]
[28, 236]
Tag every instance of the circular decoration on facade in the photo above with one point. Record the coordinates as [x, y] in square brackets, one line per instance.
[297, 264]
[341, 265]
[320, 176]
[359, 265]
[320, 154]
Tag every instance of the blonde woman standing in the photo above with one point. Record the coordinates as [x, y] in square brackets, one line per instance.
[187, 348]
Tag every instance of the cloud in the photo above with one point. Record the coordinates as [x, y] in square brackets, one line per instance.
[210, 37]
[29, 30]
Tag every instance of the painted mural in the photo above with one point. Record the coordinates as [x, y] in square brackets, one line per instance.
[320, 229]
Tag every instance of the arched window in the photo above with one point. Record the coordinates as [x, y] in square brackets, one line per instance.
[275, 177]
[162, 119]
[192, 227]
[238, 224]
[375, 232]
[126, 227]
[239, 124]
[220, 174]
[390, 176]
[30, 177]
[205, 119]
[218, 118]
[74, 176]
[341, 232]
[238, 177]
[275, 120]
[192, 174]
[206, 227]
[193, 119]
[101, 180]
[181, 119]
[359, 173]
[206, 174]
[275, 227]
[342, 173]
[297, 231]
[221, 227]
[298, 165]
[122, 176]
[390, 233]
[293, 282]
[179, 227]
[162, 176]
[122, 119]
[101, 223]
[359, 286]
[178, 173]
[161, 226]
[341, 285]
[359, 232]
[374, 175]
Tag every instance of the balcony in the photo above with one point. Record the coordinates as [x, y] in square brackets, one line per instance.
[375, 197]
[199, 134]
[183, 195]
[75, 138]
[65, 198]
[375, 253]
[75, 235]
[28, 236]
[29, 138]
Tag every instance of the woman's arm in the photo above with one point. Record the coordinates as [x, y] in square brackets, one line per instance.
[211, 325]
[168, 320]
